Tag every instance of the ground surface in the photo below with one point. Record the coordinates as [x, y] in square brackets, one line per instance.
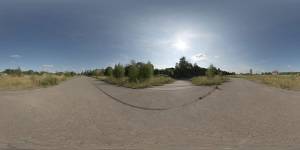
[86, 114]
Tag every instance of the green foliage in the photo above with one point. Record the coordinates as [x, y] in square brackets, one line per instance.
[108, 71]
[14, 72]
[183, 69]
[69, 74]
[168, 72]
[133, 73]
[146, 71]
[207, 81]
[119, 71]
[154, 81]
[93, 73]
[211, 71]
[49, 80]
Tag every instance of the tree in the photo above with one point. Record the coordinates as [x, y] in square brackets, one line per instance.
[119, 71]
[145, 70]
[211, 71]
[108, 71]
[198, 71]
[133, 73]
[183, 69]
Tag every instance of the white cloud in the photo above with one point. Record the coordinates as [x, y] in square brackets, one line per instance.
[289, 66]
[216, 57]
[47, 66]
[198, 57]
[15, 56]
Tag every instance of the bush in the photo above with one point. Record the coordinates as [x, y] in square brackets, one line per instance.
[49, 80]
[146, 71]
[154, 81]
[133, 73]
[211, 71]
[69, 74]
[108, 71]
[119, 71]
[216, 80]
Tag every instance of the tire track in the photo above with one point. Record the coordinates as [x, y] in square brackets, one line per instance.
[156, 108]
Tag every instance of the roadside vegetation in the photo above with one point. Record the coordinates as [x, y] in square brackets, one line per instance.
[14, 79]
[135, 75]
[289, 82]
[143, 75]
[213, 77]
[198, 75]
[185, 70]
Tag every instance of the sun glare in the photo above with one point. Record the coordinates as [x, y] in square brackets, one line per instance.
[181, 45]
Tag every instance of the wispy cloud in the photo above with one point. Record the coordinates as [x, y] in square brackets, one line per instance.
[198, 57]
[48, 66]
[15, 56]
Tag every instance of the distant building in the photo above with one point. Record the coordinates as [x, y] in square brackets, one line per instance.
[275, 72]
[251, 71]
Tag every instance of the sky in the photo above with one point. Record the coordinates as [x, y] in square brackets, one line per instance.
[234, 35]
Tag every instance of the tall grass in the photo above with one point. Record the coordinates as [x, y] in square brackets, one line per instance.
[290, 82]
[9, 82]
[125, 82]
[207, 81]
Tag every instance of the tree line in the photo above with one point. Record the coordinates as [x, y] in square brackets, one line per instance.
[184, 69]
[137, 71]
[20, 72]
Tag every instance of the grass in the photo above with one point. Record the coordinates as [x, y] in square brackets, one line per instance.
[289, 82]
[9, 82]
[208, 81]
[154, 81]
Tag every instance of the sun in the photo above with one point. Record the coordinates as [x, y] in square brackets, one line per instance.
[181, 45]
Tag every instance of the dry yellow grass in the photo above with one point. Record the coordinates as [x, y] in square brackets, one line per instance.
[290, 82]
[29, 81]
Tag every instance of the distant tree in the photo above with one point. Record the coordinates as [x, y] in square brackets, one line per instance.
[198, 71]
[14, 72]
[211, 71]
[28, 72]
[183, 69]
[168, 72]
[69, 73]
[108, 71]
[119, 71]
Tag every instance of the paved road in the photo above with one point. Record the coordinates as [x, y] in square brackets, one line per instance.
[78, 115]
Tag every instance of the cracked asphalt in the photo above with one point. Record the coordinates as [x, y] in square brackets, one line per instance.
[78, 115]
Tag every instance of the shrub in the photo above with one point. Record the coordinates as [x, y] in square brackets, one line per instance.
[145, 71]
[211, 71]
[49, 80]
[216, 80]
[155, 81]
[69, 74]
[108, 71]
[119, 71]
[133, 73]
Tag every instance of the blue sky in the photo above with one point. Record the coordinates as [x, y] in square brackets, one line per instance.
[234, 35]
